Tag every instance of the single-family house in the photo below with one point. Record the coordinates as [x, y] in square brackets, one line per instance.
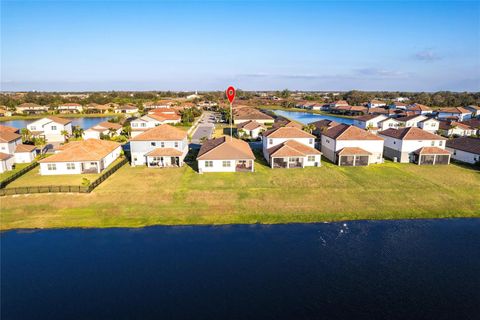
[4, 112]
[350, 110]
[78, 157]
[450, 128]
[166, 115]
[429, 124]
[251, 129]
[11, 143]
[160, 104]
[458, 113]
[31, 108]
[25, 153]
[127, 109]
[474, 124]
[322, 125]
[70, 108]
[103, 129]
[376, 103]
[348, 145]
[149, 121]
[6, 162]
[418, 108]
[414, 145]
[98, 108]
[398, 105]
[290, 147]
[247, 114]
[465, 149]
[474, 109]
[161, 146]
[420, 121]
[338, 103]
[51, 128]
[284, 122]
[369, 122]
[225, 154]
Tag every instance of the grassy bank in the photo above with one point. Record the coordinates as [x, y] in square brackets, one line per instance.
[134, 197]
[79, 115]
[275, 107]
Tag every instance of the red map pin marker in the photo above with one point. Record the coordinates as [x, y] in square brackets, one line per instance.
[230, 94]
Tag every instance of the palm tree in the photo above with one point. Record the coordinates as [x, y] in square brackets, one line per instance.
[65, 134]
[77, 131]
[26, 135]
[309, 128]
[112, 132]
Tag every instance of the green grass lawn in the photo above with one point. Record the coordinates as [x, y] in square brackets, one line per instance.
[18, 167]
[134, 197]
[33, 178]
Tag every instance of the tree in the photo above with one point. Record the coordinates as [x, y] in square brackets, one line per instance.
[112, 132]
[285, 93]
[77, 131]
[65, 134]
[309, 128]
[26, 135]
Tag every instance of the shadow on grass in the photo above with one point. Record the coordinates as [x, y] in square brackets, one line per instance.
[191, 159]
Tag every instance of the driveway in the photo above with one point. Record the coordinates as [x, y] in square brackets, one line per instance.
[205, 128]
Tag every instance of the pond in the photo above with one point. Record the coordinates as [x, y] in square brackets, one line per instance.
[306, 117]
[84, 123]
[413, 269]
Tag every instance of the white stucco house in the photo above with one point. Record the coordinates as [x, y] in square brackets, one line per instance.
[458, 113]
[79, 157]
[370, 122]
[225, 154]
[376, 104]
[6, 162]
[25, 153]
[250, 129]
[103, 129]
[50, 128]
[127, 109]
[70, 108]
[290, 147]
[418, 108]
[161, 146]
[429, 124]
[465, 149]
[149, 121]
[11, 144]
[348, 145]
[454, 128]
[414, 145]
[245, 114]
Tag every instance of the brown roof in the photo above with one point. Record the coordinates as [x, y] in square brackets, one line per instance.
[159, 152]
[431, 150]
[225, 148]
[348, 132]
[7, 136]
[161, 116]
[85, 150]
[291, 148]
[419, 107]
[287, 132]
[412, 133]
[248, 113]
[352, 108]
[59, 120]
[8, 129]
[127, 107]
[250, 125]
[30, 105]
[447, 125]
[467, 144]
[24, 148]
[109, 125]
[458, 110]
[163, 132]
[407, 118]
[353, 151]
[5, 156]
[325, 124]
[474, 123]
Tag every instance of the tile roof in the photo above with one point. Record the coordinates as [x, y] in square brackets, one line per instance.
[291, 148]
[28, 105]
[367, 117]
[431, 150]
[457, 110]
[287, 132]
[407, 118]
[353, 151]
[70, 105]
[467, 144]
[163, 132]
[25, 148]
[250, 125]
[447, 125]
[8, 129]
[321, 124]
[419, 107]
[7, 136]
[5, 156]
[109, 125]
[225, 148]
[349, 132]
[248, 113]
[411, 133]
[59, 120]
[85, 150]
[168, 152]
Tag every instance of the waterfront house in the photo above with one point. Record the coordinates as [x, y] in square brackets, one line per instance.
[251, 129]
[418, 108]
[284, 122]
[348, 145]
[7, 162]
[338, 103]
[290, 147]
[98, 108]
[51, 128]
[350, 110]
[225, 154]
[127, 109]
[11, 143]
[322, 125]
[370, 122]
[78, 157]
[161, 146]
[465, 149]
[152, 120]
[70, 108]
[103, 129]
[414, 145]
[245, 114]
[31, 108]
[4, 112]
[456, 113]
[166, 115]
[450, 128]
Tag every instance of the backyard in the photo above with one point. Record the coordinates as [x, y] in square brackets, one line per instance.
[139, 196]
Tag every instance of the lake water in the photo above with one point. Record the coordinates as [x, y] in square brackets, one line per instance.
[306, 118]
[84, 123]
[422, 269]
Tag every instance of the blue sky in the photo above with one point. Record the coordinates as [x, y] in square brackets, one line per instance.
[256, 45]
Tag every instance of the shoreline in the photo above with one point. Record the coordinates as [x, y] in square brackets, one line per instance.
[322, 113]
[39, 116]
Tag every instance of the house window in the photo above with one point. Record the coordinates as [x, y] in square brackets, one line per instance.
[225, 163]
[71, 166]
[311, 158]
[310, 141]
[433, 143]
[162, 144]
[51, 166]
[208, 164]
[176, 144]
[54, 128]
[270, 141]
[33, 128]
[134, 125]
[454, 152]
[440, 143]
[143, 124]
[153, 144]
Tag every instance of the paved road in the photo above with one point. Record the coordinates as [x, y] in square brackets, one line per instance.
[205, 128]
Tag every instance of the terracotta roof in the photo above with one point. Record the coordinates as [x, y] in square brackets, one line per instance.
[419, 107]
[407, 118]
[411, 133]
[29, 105]
[287, 132]
[159, 152]
[127, 107]
[349, 132]
[376, 101]
[85, 150]
[250, 125]
[352, 108]
[109, 125]
[458, 110]
[59, 120]
[248, 113]
[164, 116]
[341, 102]
[447, 125]
[5, 156]
[353, 151]
[474, 123]
[24, 148]
[367, 117]
[399, 104]
[224, 148]
[431, 150]
[70, 105]
[283, 122]
[163, 132]
[8, 129]
[291, 148]
[7, 136]
[467, 144]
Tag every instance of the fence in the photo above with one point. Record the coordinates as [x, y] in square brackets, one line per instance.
[17, 175]
[67, 189]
